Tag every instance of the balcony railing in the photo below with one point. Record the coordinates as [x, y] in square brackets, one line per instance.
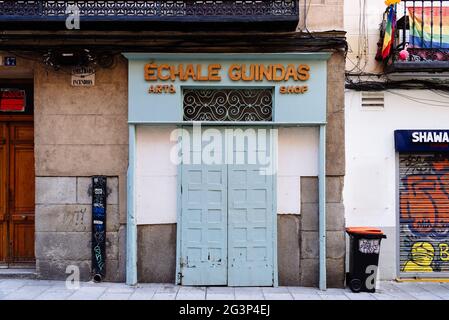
[422, 29]
[207, 11]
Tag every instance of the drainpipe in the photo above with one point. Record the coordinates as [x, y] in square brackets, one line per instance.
[322, 206]
[131, 226]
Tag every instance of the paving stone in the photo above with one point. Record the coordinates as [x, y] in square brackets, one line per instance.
[278, 290]
[425, 296]
[121, 289]
[409, 287]
[23, 289]
[26, 293]
[249, 293]
[278, 296]
[52, 283]
[143, 293]
[168, 289]
[334, 297]
[164, 296]
[360, 296]
[248, 290]
[220, 290]
[88, 293]
[55, 294]
[191, 293]
[331, 291]
[13, 284]
[115, 296]
[303, 290]
[396, 296]
[220, 296]
[304, 296]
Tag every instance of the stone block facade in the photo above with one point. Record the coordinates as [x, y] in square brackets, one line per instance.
[80, 132]
[64, 225]
[335, 226]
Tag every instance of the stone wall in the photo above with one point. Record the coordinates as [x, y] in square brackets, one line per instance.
[79, 132]
[308, 252]
[64, 225]
[156, 253]
[335, 223]
[321, 15]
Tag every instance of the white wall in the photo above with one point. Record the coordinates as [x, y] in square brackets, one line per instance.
[156, 182]
[298, 157]
[370, 182]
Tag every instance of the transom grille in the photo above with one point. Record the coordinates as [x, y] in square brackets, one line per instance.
[228, 104]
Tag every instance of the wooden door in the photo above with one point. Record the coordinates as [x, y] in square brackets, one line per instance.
[4, 160]
[17, 193]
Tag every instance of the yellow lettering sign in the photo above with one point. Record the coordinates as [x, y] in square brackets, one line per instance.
[236, 72]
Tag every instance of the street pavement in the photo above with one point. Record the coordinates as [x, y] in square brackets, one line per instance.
[22, 289]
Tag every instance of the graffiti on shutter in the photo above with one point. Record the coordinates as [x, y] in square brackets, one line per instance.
[424, 213]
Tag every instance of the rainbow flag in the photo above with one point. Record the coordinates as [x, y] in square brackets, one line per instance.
[429, 34]
[389, 32]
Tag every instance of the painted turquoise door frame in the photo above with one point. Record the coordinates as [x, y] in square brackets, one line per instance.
[322, 207]
[131, 225]
[251, 226]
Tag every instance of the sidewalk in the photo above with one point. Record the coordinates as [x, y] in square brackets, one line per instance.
[12, 289]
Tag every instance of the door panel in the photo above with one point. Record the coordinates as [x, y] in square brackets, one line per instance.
[3, 192]
[250, 227]
[227, 213]
[203, 225]
[21, 225]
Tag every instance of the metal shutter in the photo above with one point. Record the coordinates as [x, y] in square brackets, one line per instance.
[424, 214]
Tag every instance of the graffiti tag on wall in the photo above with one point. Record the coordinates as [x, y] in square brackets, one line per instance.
[424, 213]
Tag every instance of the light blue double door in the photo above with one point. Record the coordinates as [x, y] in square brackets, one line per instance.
[226, 226]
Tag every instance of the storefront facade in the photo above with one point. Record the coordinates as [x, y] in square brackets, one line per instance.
[397, 180]
[130, 117]
[423, 202]
[231, 126]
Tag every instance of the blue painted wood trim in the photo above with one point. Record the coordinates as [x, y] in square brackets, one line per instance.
[322, 206]
[178, 221]
[274, 150]
[131, 227]
[229, 123]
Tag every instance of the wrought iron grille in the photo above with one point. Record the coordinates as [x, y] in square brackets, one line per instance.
[228, 104]
[253, 10]
[422, 26]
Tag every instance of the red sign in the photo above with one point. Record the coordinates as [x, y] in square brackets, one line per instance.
[12, 100]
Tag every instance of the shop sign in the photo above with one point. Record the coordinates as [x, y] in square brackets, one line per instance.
[422, 140]
[235, 73]
[83, 77]
[12, 100]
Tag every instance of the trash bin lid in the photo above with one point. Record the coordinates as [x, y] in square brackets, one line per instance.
[364, 230]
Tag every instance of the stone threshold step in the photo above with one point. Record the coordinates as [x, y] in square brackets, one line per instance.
[18, 274]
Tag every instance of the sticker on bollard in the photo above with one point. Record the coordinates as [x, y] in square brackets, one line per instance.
[363, 258]
[99, 196]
